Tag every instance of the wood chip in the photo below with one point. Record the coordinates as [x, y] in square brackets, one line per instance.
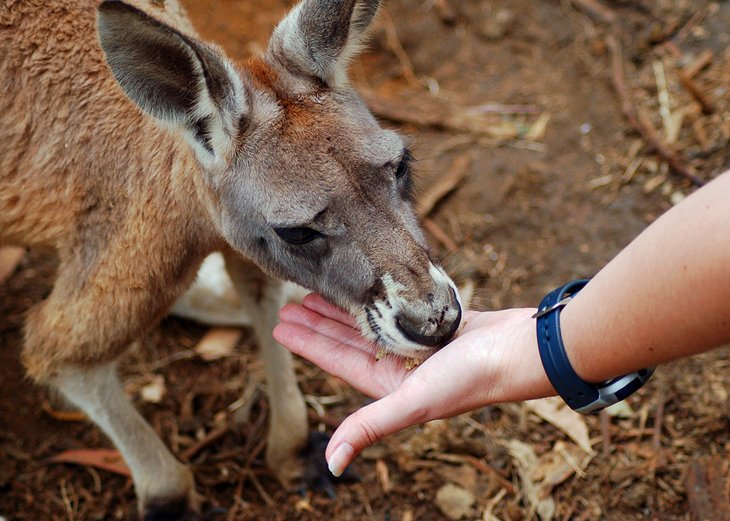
[153, 391]
[411, 363]
[381, 470]
[218, 342]
[708, 488]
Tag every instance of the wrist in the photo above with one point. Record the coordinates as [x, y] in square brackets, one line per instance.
[569, 326]
[582, 396]
[523, 376]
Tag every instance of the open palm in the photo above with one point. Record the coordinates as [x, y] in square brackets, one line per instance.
[493, 358]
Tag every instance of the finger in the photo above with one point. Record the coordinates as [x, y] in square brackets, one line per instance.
[370, 424]
[317, 303]
[298, 314]
[357, 367]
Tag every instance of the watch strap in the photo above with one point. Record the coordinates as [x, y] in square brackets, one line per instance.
[576, 392]
[580, 395]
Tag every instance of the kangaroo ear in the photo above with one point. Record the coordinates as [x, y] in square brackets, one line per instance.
[177, 80]
[319, 37]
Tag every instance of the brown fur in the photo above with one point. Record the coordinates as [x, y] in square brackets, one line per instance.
[94, 153]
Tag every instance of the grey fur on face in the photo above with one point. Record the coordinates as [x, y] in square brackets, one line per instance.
[305, 181]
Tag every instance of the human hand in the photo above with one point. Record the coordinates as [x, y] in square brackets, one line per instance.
[494, 358]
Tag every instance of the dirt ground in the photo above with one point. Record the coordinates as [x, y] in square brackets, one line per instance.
[513, 109]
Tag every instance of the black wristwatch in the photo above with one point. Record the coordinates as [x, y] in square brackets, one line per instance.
[581, 396]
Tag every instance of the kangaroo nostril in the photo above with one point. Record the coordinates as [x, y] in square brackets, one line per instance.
[437, 334]
[412, 332]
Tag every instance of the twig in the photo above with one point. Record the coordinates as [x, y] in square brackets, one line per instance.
[691, 86]
[656, 438]
[64, 416]
[665, 108]
[596, 10]
[259, 488]
[683, 32]
[502, 108]
[328, 420]
[212, 437]
[446, 117]
[703, 60]
[657, 430]
[175, 357]
[486, 469]
[493, 503]
[444, 186]
[400, 53]
[638, 119]
[435, 230]
[686, 78]
[605, 433]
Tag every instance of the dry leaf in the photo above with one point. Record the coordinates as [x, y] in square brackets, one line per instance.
[105, 459]
[153, 391]
[537, 130]
[303, 505]
[621, 410]
[10, 257]
[558, 465]
[218, 342]
[455, 502]
[553, 410]
[464, 475]
[527, 462]
[64, 416]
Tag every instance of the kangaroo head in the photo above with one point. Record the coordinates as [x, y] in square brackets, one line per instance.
[304, 180]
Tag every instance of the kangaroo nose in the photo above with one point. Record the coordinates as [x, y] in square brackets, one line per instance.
[432, 333]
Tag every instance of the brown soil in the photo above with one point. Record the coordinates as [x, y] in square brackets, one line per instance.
[531, 214]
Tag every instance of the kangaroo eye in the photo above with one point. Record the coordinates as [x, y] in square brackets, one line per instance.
[403, 165]
[298, 236]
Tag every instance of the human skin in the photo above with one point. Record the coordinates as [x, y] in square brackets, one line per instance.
[665, 296]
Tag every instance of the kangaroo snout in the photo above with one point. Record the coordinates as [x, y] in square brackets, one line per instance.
[413, 317]
[436, 329]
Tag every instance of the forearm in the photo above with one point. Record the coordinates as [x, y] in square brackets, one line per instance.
[665, 296]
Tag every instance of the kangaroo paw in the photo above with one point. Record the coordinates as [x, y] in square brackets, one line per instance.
[178, 509]
[316, 477]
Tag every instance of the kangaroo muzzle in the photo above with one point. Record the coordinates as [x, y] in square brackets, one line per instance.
[413, 322]
[437, 329]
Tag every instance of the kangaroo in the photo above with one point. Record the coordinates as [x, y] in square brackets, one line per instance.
[132, 150]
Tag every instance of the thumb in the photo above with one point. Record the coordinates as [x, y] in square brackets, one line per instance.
[370, 424]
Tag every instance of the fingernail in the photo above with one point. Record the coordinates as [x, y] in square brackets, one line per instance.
[339, 459]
